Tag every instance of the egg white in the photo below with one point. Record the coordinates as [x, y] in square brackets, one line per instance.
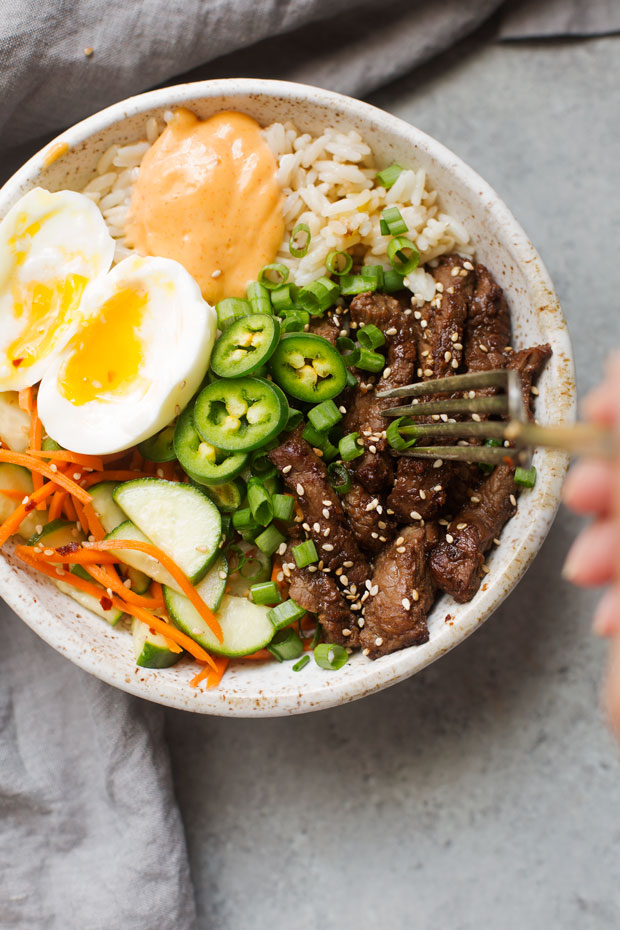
[177, 334]
[44, 238]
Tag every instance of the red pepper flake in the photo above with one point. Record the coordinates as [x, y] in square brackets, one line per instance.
[17, 361]
[29, 506]
[508, 460]
[68, 549]
[106, 603]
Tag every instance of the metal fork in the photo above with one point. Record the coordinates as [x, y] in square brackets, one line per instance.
[517, 434]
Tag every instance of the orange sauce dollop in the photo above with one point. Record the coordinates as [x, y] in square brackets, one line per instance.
[207, 196]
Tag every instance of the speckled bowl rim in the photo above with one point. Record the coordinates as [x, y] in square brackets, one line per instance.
[27, 594]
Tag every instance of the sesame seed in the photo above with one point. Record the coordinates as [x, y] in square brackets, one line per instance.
[401, 549]
[461, 526]
[318, 452]
[328, 547]
[347, 564]
[391, 512]
[300, 489]
[339, 571]
[415, 515]
[48, 552]
[387, 372]
[417, 315]
[327, 531]
[325, 513]
[326, 503]
[346, 632]
[486, 569]
[474, 499]
[391, 331]
[458, 345]
[447, 356]
[201, 549]
[60, 572]
[513, 500]
[450, 290]
[449, 538]
[422, 497]
[286, 469]
[443, 417]
[382, 525]
[216, 273]
[374, 590]
[286, 570]
[438, 488]
[88, 51]
[482, 347]
[365, 652]
[454, 272]
[407, 312]
[53, 466]
[428, 372]
[312, 568]
[439, 287]
[373, 449]
[496, 541]
[321, 564]
[415, 595]
[454, 363]
[406, 603]
[372, 505]
[379, 641]
[281, 550]
[420, 372]
[374, 535]
[400, 540]
[160, 473]
[280, 576]
[443, 522]
[344, 581]
[316, 527]
[423, 323]
[468, 265]
[379, 509]
[534, 390]
[342, 409]
[476, 417]
[437, 463]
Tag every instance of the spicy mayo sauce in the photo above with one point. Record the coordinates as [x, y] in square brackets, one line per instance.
[207, 196]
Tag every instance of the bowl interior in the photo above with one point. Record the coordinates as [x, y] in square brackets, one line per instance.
[267, 688]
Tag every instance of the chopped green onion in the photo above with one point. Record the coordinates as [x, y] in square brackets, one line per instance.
[320, 441]
[351, 284]
[318, 296]
[403, 255]
[270, 540]
[265, 592]
[260, 464]
[370, 336]
[338, 262]
[260, 503]
[392, 223]
[283, 298]
[294, 418]
[370, 361]
[243, 519]
[331, 656]
[392, 281]
[286, 613]
[305, 554]
[301, 664]
[351, 379]
[226, 524]
[348, 447]
[395, 440]
[389, 175]
[526, 477]
[286, 645]
[486, 467]
[324, 415]
[317, 635]
[272, 276]
[294, 321]
[339, 477]
[296, 247]
[231, 309]
[349, 351]
[283, 507]
[259, 298]
[373, 273]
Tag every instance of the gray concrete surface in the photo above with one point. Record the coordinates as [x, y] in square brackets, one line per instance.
[485, 792]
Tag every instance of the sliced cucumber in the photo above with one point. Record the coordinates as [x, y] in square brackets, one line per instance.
[14, 422]
[160, 447]
[255, 566]
[16, 478]
[104, 505]
[212, 587]
[151, 649]
[113, 615]
[57, 533]
[246, 626]
[140, 583]
[139, 560]
[226, 497]
[50, 445]
[177, 517]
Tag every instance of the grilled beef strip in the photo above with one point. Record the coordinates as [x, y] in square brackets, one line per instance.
[395, 616]
[419, 491]
[529, 363]
[319, 594]
[325, 327]
[370, 528]
[487, 329]
[457, 561]
[324, 520]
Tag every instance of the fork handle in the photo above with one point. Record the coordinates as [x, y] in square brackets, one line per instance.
[579, 439]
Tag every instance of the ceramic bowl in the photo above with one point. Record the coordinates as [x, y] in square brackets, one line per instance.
[269, 689]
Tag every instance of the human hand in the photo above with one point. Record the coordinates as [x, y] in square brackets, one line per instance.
[593, 489]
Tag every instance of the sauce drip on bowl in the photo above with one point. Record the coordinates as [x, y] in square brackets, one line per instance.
[207, 196]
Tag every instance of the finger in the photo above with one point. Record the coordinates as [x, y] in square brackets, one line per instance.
[591, 559]
[603, 403]
[607, 614]
[589, 487]
[612, 687]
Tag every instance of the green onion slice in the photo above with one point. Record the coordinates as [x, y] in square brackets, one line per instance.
[339, 477]
[392, 281]
[270, 540]
[243, 519]
[286, 645]
[301, 664]
[486, 467]
[283, 507]
[338, 262]
[349, 448]
[324, 416]
[299, 243]
[352, 284]
[231, 309]
[388, 177]
[374, 274]
[370, 361]
[394, 438]
[260, 502]
[294, 418]
[349, 351]
[283, 298]
[305, 554]
[403, 255]
[260, 465]
[286, 613]
[370, 337]
[331, 656]
[272, 276]
[265, 593]
[525, 477]
[392, 220]
[259, 298]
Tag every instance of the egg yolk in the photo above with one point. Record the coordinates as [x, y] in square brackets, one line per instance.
[107, 354]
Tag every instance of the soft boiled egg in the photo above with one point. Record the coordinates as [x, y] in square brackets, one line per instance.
[135, 361]
[51, 247]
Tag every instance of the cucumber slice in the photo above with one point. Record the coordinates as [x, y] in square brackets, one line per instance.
[226, 497]
[246, 626]
[140, 583]
[50, 445]
[113, 615]
[159, 448]
[16, 478]
[212, 587]
[177, 517]
[256, 568]
[14, 422]
[138, 560]
[151, 649]
[104, 505]
[57, 533]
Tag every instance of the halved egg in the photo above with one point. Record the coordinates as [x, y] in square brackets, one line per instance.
[134, 362]
[51, 247]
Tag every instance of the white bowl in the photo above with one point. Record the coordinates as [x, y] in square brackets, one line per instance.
[270, 689]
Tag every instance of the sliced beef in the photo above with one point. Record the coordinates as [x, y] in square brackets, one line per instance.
[325, 327]
[318, 593]
[439, 325]
[395, 616]
[419, 489]
[529, 363]
[457, 561]
[375, 469]
[487, 330]
[368, 520]
[324, 520]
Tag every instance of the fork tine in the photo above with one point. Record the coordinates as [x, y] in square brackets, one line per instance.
[471, 381]
[489, 454]
[490, 429]
[497, 404]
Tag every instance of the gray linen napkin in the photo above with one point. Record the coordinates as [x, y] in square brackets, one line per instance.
[90, 835]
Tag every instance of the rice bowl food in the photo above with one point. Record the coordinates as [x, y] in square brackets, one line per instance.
[273, 514]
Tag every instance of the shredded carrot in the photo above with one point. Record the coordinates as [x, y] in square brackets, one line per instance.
[12, 523]
[213, 676]
[69, 509]
[14, 495]
[261, 654]
[202, 674]
[67, 555]
[80, 515]
[112, 475]
[109, 579]
[160, 556]
[25, 399]
[137, 460]
[58, 477]
[94, 523]
[62, 455]
[57, 504]
[36, 431]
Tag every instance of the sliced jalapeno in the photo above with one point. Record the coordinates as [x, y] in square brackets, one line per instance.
[308, 367]
[240, 415]
[203, 462]
[160, 447]
[245, 346]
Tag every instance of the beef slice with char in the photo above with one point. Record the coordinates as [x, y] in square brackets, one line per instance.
[529, 363]
[419, 490]
[457, 561]
[326, 327]
[324, 520]
[439, 324]
[369, 523]
[395, 616]
[487, 330]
